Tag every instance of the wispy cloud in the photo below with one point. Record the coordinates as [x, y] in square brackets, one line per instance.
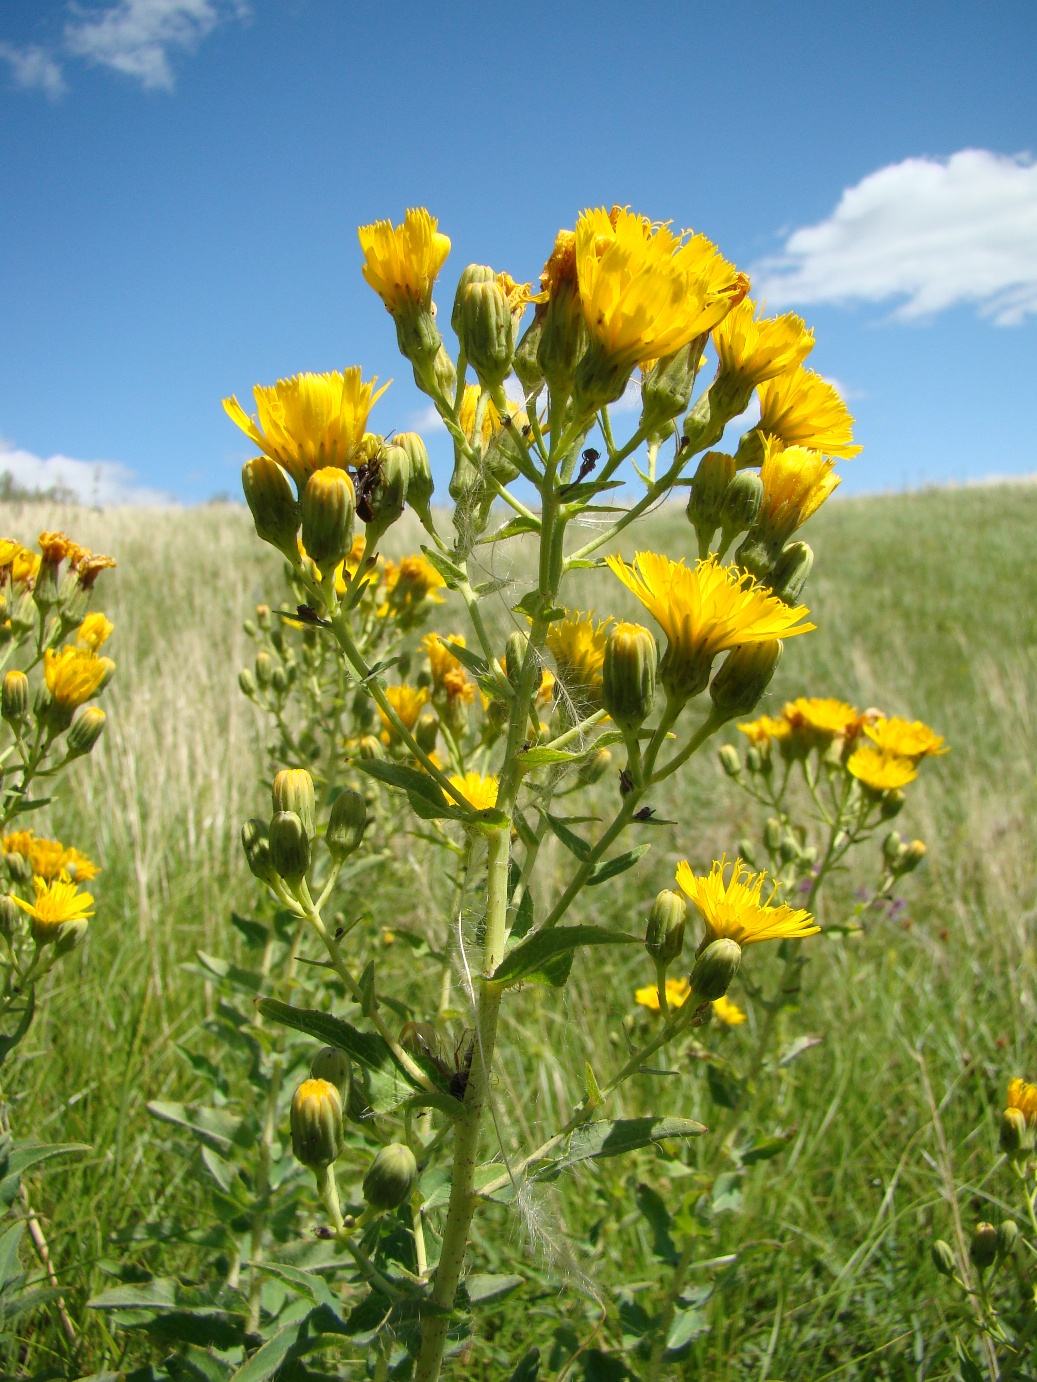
[137, 37]
[932, 233]
[102, 483]
[33, 69]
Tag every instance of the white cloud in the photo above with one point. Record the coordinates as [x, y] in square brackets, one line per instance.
[34, 69]
[102, 483]
[136, 37]
[933, 233]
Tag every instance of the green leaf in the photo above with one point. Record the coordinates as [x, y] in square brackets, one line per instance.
[727, 1193]
[397, 775]
[654, 1211]
[255, 932]
[441, 810]
[528, 1369]
[586, 489]
[8, 1043]
[377, 668]
[725, 1088]
[483, 1287]
[523, 917]
[527, 961]
[611, 868]
[526, 832]
[580, 848]
[10, 1267]
[471, 660]
[763, 1149]
[266, 1360]
[687, 1325]
[307, 1284]
[158, 1294]
[617, 1136]
[246, 980]
[515, 528]
[224, 1173]
[584, 564]
[541, 756]
[213, 1127]
[453, 575]
[28, 1154]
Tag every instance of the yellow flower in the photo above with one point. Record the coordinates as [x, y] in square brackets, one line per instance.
[802, 409]
[348, 566]
[79, 866]
[491, 418]
[407, 701]
[310, 420]
[560, 269]
[407, 585]
[757, 349]
[73, 675]
[906, 738]
[735, 910]
[441, 659]
[401, 263]
[57, 546]
[704, 610]
[516, 295]
[577, 645]
[827, 718]
[56, 902]
[48, 858]
[89, 565]
[25, 566]
[94, 631]
[645, 291]
[882, 772]
[727, 1012]
[796, 482]
[546, 689]
[18, 842]
[677, 991]
[762, 731]
[1023, 1096]
[479, 791]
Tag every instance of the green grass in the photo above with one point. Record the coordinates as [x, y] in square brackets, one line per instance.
[925, 606]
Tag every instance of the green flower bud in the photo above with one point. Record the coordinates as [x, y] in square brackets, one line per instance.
[791, 570]
[747, 852]
[913, 855]
[772, 834]
[474, 273]
[371, 748]
[255, 841]
[601, 378]
[563, 335]
[14, 698]
[744, 677]
[664, 935]
[18, 867]
[264, 668]
[729, 760]
[525, 363]
[279, 680]
[741, 505]
[272, 504]
[666, 388]
[750, 450]
[705, 502]
[316, 1122]
[246, 683]
[943, 1258]
[1007, 1237]
[86, 728]
[293, 791]
[289, 847]
[1016, 1136]
[628, 675]
[390, 1177]
[983, 1248]
[487, 331]
[346, 824]
[514, 656]
[419, 477]
[23, 615]
[756, 556]
[892, 804]
[67, 935]
[10, 915]
[715, 968]
[328, 508]
[755, 761]
[426, 731]
[384, 493]
[333, 1065]
[892, 849]
[443, 372]
[594, 767]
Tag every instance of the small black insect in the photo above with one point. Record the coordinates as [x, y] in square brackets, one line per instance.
[626, 782]
[463, 1065]
[587, 463]
[425, 1039]
[305, 614]
[364, 482]
[645, 814]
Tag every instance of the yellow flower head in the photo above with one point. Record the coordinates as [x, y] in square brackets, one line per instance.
[516, 295]
[735, 910]
[347, 568]
[78, 866]
[89, 566]
[17, 842]
[906, 738]
[480, 792]
[441, 659]
[763, 731]
[56, 902]
[310, 420]
[727, 1012]
[704, 610]
[796, 482]
[410, 583]
[577, 645]
[57, 546]
[94, 631]
[757, 349]
[1023, 1096]
[25, 567]
[73, 675]
[407, 701]
[882, 772]
[560, 270]
[802, 409]
[401, 262]
[645, 291]
[824, 717]
[546, 689]
[677, 991]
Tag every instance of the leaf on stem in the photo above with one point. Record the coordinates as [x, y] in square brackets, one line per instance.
[616, 1137]
[453, 575]
[611, 868]
[546, 957]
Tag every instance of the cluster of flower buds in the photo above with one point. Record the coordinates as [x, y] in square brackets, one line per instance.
[279, 852]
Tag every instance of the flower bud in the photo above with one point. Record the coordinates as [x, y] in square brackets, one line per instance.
[715, 968]
[705, 502]
[332, 1065]
[628, 675]
[914, 853]
[384, 493]
[525, 363]
[747, 852]
[14, 698]
[23, 614]
[983, 1248]
[426, 731]
[272, 504]
[289, 847]
[594, 767]
[741, 505]
[370, 747]
[86, 728]
[892, 804]
[10, 915]
[474, 273]
[515, 656]
[444, 372]
[390, 1177]
[279, 680]
[664, 935]
[1016, 1135]
[19, 868]
[255, 841]
[750, 450]
[563, 336]
[892, 849]
[419, 477]
[316, 1122]
[1007, 1237]
[346, 824]
[666, 388]
[67, 935]
[246, 683]
[744, 677]
[487, 331]
[943, 1257]
[328, 508]
[755, 761]
[293, 791]
[730, 761]
[772, 834]
[789, 577]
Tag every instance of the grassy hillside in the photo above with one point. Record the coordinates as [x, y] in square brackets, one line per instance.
[926, 605]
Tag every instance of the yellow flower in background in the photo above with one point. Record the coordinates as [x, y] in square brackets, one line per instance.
[49, 858]
[577, 645]
[57, 546]
[310, 420]
[25, 566]
[796, 482]
[761, 732]
[736, 909]
[78, 866]
[727, 1012]
[441, 659]
[906, 738]
[802, 409]
[827, 717]
[94, 631]
[546, 689]
[347, 568]
[646, 292]
[882, 772]
[677, 991]
[491, 418]
[73, 675]
[56, 902]
[480, 792]
[1023, 1096]
[407, 701]
[89, 566]
[757, 349]
[401, 262]
[410, 583]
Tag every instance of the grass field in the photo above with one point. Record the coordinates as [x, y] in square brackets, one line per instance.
[925, 606]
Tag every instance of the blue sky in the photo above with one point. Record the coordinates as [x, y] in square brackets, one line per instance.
[181, 181]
